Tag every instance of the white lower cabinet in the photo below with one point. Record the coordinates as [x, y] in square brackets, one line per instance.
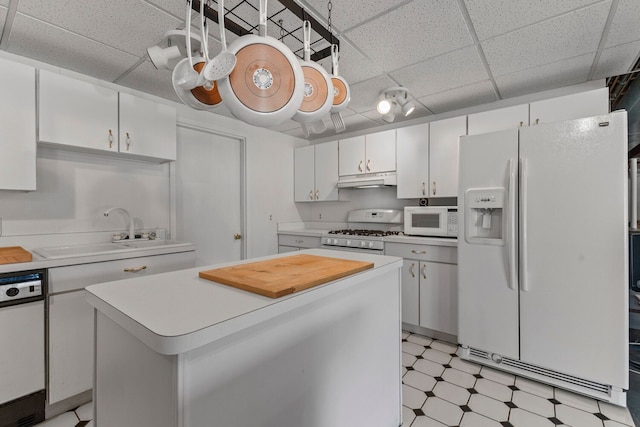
[292, 243]
[429, 285]
[70, 317]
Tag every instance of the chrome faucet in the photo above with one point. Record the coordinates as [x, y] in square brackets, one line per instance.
[129, 217]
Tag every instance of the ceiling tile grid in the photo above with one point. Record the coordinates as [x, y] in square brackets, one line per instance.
[617, 60]
[146, 78]
[365, 94]
[345, 16]
[461, 97]
[549, 76]
[549, 41]
[47, 43]
[454, 69]
[625, 26]
[127, 25]
[412, 33]
[494, 17]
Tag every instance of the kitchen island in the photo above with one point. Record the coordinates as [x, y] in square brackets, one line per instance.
[176, 350]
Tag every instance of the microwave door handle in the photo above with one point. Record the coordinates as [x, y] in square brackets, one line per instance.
[512, 273]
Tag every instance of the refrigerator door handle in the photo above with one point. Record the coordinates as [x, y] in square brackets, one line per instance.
[511, 224]
[524, 284]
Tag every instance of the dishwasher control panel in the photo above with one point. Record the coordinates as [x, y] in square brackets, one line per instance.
[15, 287]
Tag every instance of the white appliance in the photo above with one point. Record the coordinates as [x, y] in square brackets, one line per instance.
[542, 253]
[362, 237]
[22, 394]
[437, 221]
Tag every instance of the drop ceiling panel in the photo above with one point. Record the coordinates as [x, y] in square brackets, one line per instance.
[352, 66]
[625, 27]
[344, 15]
[46, 43]
[617, 60]
[412, 33]
[462, 97]
[175, 8]
[131, 26]
[365, 94]
[566, 36]
[435, 75]
[550, 76]
[493, 17]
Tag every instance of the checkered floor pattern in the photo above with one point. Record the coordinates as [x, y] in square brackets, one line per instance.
[440, 389]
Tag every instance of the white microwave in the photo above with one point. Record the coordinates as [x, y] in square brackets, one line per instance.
[436, 221]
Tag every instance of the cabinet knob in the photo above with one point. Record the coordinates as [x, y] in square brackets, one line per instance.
[110, 139]
[135, 269]
[368, 165]
[237, 236]
[128, 140]
[424, 271]
[360, 166]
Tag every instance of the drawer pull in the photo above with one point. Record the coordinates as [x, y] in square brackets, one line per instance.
[424, 271]
[135, 269]
[413, 251]
[299, 241]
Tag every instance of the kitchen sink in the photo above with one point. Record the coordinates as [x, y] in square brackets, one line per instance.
[103, 248]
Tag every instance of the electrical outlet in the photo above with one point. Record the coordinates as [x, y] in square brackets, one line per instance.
[320, 215]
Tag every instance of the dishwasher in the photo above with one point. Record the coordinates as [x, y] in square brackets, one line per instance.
[22, 354]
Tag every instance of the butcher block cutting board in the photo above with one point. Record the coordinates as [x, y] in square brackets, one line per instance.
[11, 254]
[282, 276]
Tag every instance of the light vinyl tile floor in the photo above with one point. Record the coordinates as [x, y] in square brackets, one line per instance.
[440, 389]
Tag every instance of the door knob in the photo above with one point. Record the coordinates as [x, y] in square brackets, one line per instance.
[237, 236]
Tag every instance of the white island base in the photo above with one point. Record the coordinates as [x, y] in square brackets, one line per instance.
[180, 351]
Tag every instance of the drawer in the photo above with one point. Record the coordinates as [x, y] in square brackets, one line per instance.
[446, 254]
[299, 241]
[62, 279]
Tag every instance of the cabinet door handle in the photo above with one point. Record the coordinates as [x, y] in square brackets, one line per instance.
[310, 194]
[433, 188]
[424, 188]
[412, 269]
[413, 251]
[128, 140]
[317, 194]
[424, 271]
[360, 166]
[110, 139]
[135, 269]
[368, 165]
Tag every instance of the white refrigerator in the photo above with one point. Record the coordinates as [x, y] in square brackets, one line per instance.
[542, 253]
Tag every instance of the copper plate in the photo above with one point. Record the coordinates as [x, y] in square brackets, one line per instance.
[320, 90]
[340, 91]
[253, 58]
[204, 95]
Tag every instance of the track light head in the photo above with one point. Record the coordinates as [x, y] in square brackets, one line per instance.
[392, 101]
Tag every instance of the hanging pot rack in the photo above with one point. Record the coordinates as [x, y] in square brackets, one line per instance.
[245, 28]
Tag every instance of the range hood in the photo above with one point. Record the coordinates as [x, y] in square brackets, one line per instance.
[368, 181]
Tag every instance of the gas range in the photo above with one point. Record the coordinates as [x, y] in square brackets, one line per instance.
[365, 239]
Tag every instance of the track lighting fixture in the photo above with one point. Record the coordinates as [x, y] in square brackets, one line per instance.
[173, 49]
[393, 101]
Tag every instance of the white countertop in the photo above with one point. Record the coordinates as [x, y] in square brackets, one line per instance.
[39, 262]
[177, 311]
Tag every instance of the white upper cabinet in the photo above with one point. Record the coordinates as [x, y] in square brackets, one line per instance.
[412, 153]
[316, 172]
[18, 124]
[147, 128]
[569, 107]
[76, 113]
[368, 154]
[444, 140]
[500, 119]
